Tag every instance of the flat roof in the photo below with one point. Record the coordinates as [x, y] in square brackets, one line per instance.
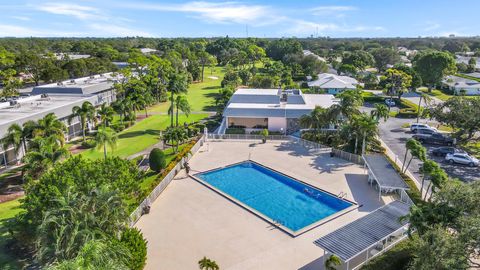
[85, 85]
[35, 107]
[384, 172]
[354, 238]
[256, 91]
[278, 109]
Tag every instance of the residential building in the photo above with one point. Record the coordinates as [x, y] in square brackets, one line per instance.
[333, 84]
[58, 98]
[465, 59]
[273, 109]
[461, 85]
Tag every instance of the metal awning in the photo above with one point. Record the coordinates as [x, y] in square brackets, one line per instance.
[384, 173]
[358, 236]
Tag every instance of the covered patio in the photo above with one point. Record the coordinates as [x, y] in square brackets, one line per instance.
[367, 237]
[382, 173]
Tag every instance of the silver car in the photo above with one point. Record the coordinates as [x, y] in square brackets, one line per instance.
[462, 158]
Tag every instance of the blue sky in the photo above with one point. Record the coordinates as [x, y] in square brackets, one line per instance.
[264, 18]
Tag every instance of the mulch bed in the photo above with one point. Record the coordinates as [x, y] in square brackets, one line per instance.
[11, 188]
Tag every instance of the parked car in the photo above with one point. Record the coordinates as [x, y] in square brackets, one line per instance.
[444, 150]
[390, 102]
[462, 158]
[415, 127]
[434, 138]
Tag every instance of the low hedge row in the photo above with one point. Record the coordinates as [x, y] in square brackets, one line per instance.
[408, 109]
[235, 131]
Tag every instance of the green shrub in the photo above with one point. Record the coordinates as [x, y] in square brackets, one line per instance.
[212, 125]
[407, 113]
[397, 258]
[133, 240]
[259, 132]
[117, 127]
[235, 131]
[373, 99]
[157, 160]
[89, 143]
[200, 126]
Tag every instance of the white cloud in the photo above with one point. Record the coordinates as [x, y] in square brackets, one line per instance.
[325, 10]
[7, 30]
[116, 31]
[69, 9]
[222, 12]
[21, 18]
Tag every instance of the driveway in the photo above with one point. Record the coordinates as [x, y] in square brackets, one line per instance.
[392, 133]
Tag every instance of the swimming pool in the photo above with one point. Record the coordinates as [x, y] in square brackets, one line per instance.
[292, 204]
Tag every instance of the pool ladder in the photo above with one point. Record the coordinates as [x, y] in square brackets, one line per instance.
[342, 195]
[278, 222]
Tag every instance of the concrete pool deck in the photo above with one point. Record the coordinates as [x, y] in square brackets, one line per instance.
[189, 221]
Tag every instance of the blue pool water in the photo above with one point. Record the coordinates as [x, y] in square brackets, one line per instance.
[275, 195]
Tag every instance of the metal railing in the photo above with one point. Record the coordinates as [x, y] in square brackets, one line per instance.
[211, 136]
[138, 212]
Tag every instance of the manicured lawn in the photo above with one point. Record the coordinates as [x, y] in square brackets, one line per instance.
[7, 211]
[201, 95]
[436, 93]
[140, 136]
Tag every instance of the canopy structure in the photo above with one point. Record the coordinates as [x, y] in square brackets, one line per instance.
[370, 234]
[381, 171]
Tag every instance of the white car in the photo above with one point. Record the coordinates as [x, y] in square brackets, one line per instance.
[390, 102]
[417, 126]
[462, 158]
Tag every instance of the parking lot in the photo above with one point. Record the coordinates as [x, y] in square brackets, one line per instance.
[392, 133]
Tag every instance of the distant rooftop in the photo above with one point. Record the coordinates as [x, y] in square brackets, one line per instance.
[328, 81]
[85, 85]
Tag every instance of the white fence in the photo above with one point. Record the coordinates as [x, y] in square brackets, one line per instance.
[348, 156]
[137, 213]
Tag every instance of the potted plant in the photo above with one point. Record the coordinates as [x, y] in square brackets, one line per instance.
[265, 135]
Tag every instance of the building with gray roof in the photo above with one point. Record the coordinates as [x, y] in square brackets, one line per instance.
[333, 84]
[273, 109]
[462, 85]
[57, 98]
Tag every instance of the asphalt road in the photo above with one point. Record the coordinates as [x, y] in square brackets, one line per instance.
[392, 133]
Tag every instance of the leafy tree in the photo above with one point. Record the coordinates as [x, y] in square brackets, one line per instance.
[462, 114]
[85, 112]
[175, 135]
[396, 82]
[104, 138]
[205, 60]
[432, 66]
[132, 239]
[157, 160]
[207, 264]
[348, 69]
[416, 79]
[384, 57]
[180, 104]
[332, 262]
[358, 59]
[277, 49]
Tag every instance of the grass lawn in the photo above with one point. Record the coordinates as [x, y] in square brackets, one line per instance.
[201, 95]
[436, 93]
[140, 136]
[7, 211]
[473, 148]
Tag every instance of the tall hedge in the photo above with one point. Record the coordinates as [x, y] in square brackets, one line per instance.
[133, 240]
[157, 160]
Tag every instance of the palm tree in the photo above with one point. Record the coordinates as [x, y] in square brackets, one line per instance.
[317, 119]
[332, 262]
[380, 111]
[207, 264]
[51, 126]
[177, 84]
[17, 136]
[175, 135]
[427, 168]
[104, 138]
[86, 113]
[181, 104]
[349, 104]
[120, 107]
[416, 151]
[44, 152]
[437, 179]
[368, 126]
[106, 114]
[427, 100]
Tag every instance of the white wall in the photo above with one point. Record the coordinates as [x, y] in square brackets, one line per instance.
[277, 123]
